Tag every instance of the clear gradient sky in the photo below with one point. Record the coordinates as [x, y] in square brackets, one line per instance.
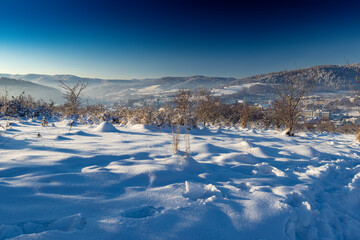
[127, 39]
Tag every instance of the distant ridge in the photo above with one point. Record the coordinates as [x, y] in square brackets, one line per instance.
[331, 78]
[15, 87]
[331, 75]
[53, 80]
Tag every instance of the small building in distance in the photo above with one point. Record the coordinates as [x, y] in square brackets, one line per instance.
[324, 115]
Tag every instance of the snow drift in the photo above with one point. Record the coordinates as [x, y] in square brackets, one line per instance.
[237, 184]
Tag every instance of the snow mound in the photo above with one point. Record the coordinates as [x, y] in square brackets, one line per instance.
[69, 223]
[302, 150]
[285, 132]
[186, 164]
[235, 158]
[105, 127]
[195, 191]
[355, 183]
[245, 144]
[66, 224]
[255, 151]
[265, 169]
[140, 127]
[62, 138]
[258, 152]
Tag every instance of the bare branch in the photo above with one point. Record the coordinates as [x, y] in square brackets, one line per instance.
[296, 84]
[72, 94]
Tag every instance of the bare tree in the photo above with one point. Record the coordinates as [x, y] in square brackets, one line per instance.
[73, 95]
[4, 102]
[296, 84]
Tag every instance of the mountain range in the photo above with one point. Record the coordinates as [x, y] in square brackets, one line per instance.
[330, 78]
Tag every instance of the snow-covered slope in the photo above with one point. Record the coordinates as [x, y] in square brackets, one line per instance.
[126, 184]
[330, 78]
[16, 87]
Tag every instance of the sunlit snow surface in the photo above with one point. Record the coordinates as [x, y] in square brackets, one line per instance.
[95, 182]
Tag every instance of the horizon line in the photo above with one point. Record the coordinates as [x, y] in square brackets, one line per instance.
[165, 76]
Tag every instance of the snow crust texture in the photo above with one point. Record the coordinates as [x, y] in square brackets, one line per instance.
[123, 182]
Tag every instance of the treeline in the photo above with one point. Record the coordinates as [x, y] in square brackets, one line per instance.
[187, 109]
[25, 106]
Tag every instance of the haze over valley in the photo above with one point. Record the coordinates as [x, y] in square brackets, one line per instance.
[332, 79]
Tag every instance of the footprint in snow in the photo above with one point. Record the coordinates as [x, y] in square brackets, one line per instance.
[142, 212]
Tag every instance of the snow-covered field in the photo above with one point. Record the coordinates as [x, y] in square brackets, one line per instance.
[232, 89]
[124, 183]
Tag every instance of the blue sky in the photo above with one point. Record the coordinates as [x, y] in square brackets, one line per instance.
[153, 38]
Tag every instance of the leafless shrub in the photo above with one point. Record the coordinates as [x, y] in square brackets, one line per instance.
[326, 126]
[72, 95]
[245, 113]
[207, 109]
[94, 109]
[187, 142]
[44, 122]
[175, 138]
[276, 115]
[182, 116]
[70, 125]
[24, 106]
[349, 128]
[4, 100]
[164, 116]
[307, 126]
[183, 104]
